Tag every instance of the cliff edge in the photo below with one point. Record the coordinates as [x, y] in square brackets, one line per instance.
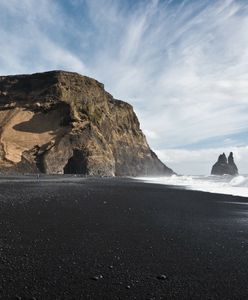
[62, 122]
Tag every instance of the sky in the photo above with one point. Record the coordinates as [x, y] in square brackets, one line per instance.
[183, 65]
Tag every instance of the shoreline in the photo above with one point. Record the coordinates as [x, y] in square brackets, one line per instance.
[224, 185]
[237, 191]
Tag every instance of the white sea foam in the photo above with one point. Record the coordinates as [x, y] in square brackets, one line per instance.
[230, 185]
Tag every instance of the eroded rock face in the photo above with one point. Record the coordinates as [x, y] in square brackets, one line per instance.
[225, 166]
[63, 122]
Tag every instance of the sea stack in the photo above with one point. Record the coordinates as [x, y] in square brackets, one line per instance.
[225, 166]
[62, 122]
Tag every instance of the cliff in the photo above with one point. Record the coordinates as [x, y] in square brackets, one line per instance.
[63, 122]
[225, 166]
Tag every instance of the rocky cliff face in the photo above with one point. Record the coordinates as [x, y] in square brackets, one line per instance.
[62, 122]
[225, 166]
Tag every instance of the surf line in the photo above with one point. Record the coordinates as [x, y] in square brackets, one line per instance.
[233, 202]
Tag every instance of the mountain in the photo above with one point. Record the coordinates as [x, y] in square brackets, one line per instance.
[225, 166]
[63, 122]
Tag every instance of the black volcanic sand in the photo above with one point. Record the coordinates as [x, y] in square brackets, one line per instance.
[77, 238]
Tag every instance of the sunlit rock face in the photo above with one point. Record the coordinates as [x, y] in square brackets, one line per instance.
[62, 122]
[225, 166]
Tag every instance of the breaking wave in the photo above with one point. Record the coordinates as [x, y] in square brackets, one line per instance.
[237, 186]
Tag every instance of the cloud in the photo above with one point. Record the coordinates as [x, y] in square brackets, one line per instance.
[183, 67]
[182, 64]
[29, 38]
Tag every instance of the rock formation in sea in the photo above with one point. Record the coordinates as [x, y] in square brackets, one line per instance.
[232, 166]
[62, 122]
[225, 166]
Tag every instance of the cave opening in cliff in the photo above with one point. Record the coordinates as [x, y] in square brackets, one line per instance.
[76, 164]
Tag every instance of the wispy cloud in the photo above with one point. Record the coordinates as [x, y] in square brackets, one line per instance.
[182, 64]
[29, 38]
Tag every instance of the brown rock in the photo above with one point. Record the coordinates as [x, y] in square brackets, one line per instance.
[63, 122]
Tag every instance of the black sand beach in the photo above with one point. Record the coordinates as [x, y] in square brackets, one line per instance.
[119, 239]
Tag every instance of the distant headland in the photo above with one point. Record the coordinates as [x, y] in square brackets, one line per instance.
[61, 122]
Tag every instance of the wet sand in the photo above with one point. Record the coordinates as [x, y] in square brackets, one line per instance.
[76, 238]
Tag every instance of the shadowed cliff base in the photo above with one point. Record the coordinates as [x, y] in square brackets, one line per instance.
[76, 164]
[61, 122]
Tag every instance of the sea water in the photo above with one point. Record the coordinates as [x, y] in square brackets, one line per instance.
[231, 185]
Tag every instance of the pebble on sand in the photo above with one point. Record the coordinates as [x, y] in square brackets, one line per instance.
[97, 277]
[162, 277]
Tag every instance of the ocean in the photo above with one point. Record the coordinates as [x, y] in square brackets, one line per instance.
[237, 186]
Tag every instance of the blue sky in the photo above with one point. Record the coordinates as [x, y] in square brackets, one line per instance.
[183, 65]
